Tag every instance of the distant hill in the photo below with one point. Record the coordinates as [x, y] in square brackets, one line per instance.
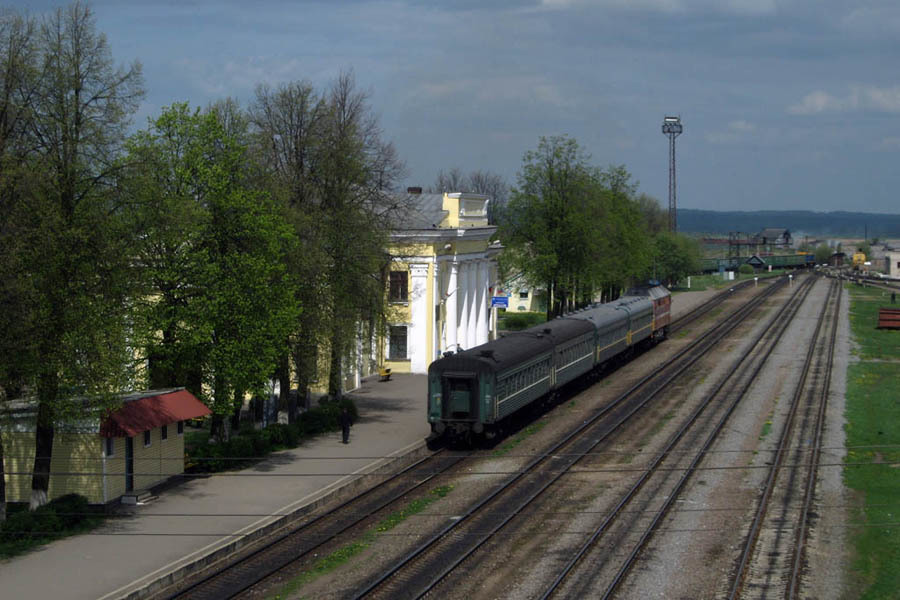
[799, 222]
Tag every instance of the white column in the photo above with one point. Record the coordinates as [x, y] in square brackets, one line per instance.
[436, 339]
[451, 310]
[419, 314]
[472, 323]
[462, 334]
[481, 333]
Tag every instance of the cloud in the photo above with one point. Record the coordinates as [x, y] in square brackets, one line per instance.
[735, 132]
[738, 7]
[859, 98]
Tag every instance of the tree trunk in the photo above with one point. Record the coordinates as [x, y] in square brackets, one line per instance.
[285, 398]
[43, 452]
[217, 429]
[335, 385]
[236, 411]
[2, 483]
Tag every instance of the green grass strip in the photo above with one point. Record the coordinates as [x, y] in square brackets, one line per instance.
[343, 554]
[873, 419]
[519, 438]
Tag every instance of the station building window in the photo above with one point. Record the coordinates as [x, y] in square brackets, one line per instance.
[397, 343]
[399, 286]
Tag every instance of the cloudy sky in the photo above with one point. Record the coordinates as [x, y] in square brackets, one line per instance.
[785, 103]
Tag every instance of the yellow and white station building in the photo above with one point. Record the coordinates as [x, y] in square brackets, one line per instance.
[442, 273]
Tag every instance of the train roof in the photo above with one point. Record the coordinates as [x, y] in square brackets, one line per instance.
[654, 291]
[514, 348]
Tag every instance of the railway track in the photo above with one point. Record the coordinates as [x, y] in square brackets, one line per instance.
[612, 550]
[772, 557]
[238, 574]
[250, 568]
[423, 569]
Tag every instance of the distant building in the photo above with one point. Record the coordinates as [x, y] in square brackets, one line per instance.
[772, 236]
[893, 264]
[133, 448]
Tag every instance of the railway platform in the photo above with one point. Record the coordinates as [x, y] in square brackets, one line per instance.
[194, 523]
[191, 524]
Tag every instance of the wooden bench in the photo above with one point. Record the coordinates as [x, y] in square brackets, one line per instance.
[384, 374]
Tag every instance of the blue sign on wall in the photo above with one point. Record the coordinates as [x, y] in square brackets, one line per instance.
[501, 301]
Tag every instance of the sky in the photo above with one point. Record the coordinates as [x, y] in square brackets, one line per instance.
[786, 104]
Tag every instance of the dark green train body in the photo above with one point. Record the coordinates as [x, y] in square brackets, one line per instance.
[473, 391]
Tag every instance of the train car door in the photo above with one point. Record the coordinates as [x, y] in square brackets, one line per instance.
[461, 396]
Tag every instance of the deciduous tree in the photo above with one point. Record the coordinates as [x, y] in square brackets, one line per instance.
[72, 258]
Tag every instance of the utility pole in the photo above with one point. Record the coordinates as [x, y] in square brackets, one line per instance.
[672, 127]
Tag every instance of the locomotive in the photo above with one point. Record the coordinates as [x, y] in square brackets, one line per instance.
[473, 392]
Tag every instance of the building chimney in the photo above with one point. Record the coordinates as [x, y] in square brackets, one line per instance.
[414, 190]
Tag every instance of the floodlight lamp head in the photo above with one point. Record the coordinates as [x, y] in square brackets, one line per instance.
[671, 126]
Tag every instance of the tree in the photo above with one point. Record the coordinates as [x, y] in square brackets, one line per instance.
[70, 262]
[676, 256]
[477, 182]
[572, 227]
[354, 180]
[823, 254]
[288, 127]
[18, 81]
[212, 257]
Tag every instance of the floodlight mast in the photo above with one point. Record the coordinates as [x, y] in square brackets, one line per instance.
[672, 127]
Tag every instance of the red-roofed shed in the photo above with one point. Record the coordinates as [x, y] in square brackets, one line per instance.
[106, 459]
[149, 410]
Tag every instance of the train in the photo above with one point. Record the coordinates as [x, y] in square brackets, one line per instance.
[473, 393]
[776, 261]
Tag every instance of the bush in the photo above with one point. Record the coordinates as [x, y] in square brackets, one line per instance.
[746, 269]
[511, 321]
[256, 444]
[24, 529]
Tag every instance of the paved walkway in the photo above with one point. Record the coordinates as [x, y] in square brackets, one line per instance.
[199, 517]
[194, 521]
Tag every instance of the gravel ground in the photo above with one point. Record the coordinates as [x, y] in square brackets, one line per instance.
[698, 543]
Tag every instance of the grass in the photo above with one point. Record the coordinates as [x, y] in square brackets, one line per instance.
[766, 428]
[873, 439]
[519, 438]
[342, 555]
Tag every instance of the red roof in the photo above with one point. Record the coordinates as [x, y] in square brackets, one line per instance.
[151, 410]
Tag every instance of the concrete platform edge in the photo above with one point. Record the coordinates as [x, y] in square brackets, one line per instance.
[217, 552]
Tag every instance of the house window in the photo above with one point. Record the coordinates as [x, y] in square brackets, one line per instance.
[523, 294]
[180, 427]
[397, 343]
[110, 447]
[398, 286]
[146, 439]
[164, 432]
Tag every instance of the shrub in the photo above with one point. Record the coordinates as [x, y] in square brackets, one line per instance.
[746, 269]
[523, 320]
[72, 509]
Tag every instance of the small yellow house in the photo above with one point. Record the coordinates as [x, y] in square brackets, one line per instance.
[442, 276]
[134, 448]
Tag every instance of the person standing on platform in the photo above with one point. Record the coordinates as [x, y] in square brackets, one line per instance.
[346, 422]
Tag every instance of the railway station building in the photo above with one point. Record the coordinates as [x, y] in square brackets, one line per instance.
[104, 456]
[443, 271]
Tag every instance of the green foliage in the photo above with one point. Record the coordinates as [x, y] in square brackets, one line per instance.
[214, 276]
[64, 516]
[517, 321]
[573, 228]
[676, 257]
[252, 445]
[746, 269]
[873, 436]
[823, 254]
